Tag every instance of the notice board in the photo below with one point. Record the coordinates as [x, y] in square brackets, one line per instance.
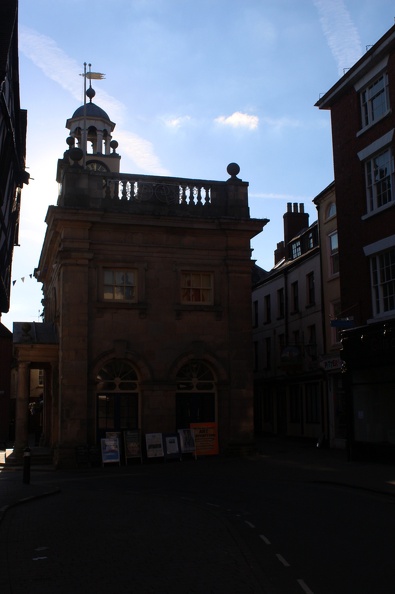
[172, 445]
[132, 443]
[206, 438]
[154, 445]
[110, 450]
[187, 441]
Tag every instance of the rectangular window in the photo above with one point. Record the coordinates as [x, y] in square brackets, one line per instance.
[313, 405]
[311, 344]
[379, 180]
[268, 345]
[334, 253]
[268, 313]
[256, 355]
[280, 303]
[374, 101]
[255, 314]
[295, 296]
[120, 285]
[383, 281]
[197, 287]
[310, 289]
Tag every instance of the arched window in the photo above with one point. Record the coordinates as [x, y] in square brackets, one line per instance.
[196, 394]
[117, 397]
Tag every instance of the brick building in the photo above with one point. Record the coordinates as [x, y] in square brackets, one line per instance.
[363, 124]
[147, 301]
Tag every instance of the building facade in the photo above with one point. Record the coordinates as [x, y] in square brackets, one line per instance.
[288, 338]
[363, 123]
[147, 301]
[332, 317]
[13, 121]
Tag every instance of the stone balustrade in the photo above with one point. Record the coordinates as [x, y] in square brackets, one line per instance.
[146, 194]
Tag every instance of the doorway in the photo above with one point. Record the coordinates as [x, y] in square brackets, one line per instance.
[117, 398]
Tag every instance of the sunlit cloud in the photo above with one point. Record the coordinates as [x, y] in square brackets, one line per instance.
[340, 32]
[59, 67]
[239, 120]
[141, 152]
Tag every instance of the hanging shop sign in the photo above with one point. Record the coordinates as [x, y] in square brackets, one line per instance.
[206, 438]
[110, 450]
[154, 445]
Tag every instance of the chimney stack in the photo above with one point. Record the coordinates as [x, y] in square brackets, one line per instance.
[295, 221]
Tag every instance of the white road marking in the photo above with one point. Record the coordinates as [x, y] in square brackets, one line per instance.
[265, 540]
[282, 560]
[304, 587]
[249, 524]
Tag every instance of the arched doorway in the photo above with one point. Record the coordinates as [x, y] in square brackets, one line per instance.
[117, 398]
[196, 394]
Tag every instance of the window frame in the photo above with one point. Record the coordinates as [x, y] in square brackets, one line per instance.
[199, 289]
[295, 296]
[377, 188]
[372, 110]
[267, 312]
[121, 286]
[280, 303]
[333, 253]
[378, 285]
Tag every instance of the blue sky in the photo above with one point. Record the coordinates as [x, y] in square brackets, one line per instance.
[192, 86]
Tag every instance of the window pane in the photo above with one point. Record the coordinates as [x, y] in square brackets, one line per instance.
[120, 285]
[196, 287]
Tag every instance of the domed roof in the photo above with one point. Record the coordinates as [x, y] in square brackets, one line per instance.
[92, 111]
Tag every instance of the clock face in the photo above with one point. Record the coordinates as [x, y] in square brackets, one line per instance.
[97, 166]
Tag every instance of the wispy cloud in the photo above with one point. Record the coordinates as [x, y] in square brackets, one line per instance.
[239, 120]
[59, 67]
[177, 122]
[279, 124]
[287, 197]
[340, 32]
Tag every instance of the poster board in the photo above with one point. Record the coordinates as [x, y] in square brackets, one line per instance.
[110, 450]
[154, 445]
[187, 441]
[206, 438]
[132, 444]
[172, 446]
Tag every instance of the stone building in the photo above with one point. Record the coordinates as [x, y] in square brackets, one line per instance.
[147, 301]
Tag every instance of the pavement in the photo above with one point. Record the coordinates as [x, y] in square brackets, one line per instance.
[297, 460]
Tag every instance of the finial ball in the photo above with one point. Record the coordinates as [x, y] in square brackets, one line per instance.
[233, 169]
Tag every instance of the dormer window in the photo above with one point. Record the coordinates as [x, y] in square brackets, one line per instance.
[296, 249]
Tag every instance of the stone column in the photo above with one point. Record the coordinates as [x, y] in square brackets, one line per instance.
[22, 404]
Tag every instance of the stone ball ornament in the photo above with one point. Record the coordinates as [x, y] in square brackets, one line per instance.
[233, 169]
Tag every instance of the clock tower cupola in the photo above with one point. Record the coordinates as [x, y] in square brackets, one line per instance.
[91, 131]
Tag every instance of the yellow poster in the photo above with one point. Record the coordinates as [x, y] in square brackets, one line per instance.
[206, 438]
